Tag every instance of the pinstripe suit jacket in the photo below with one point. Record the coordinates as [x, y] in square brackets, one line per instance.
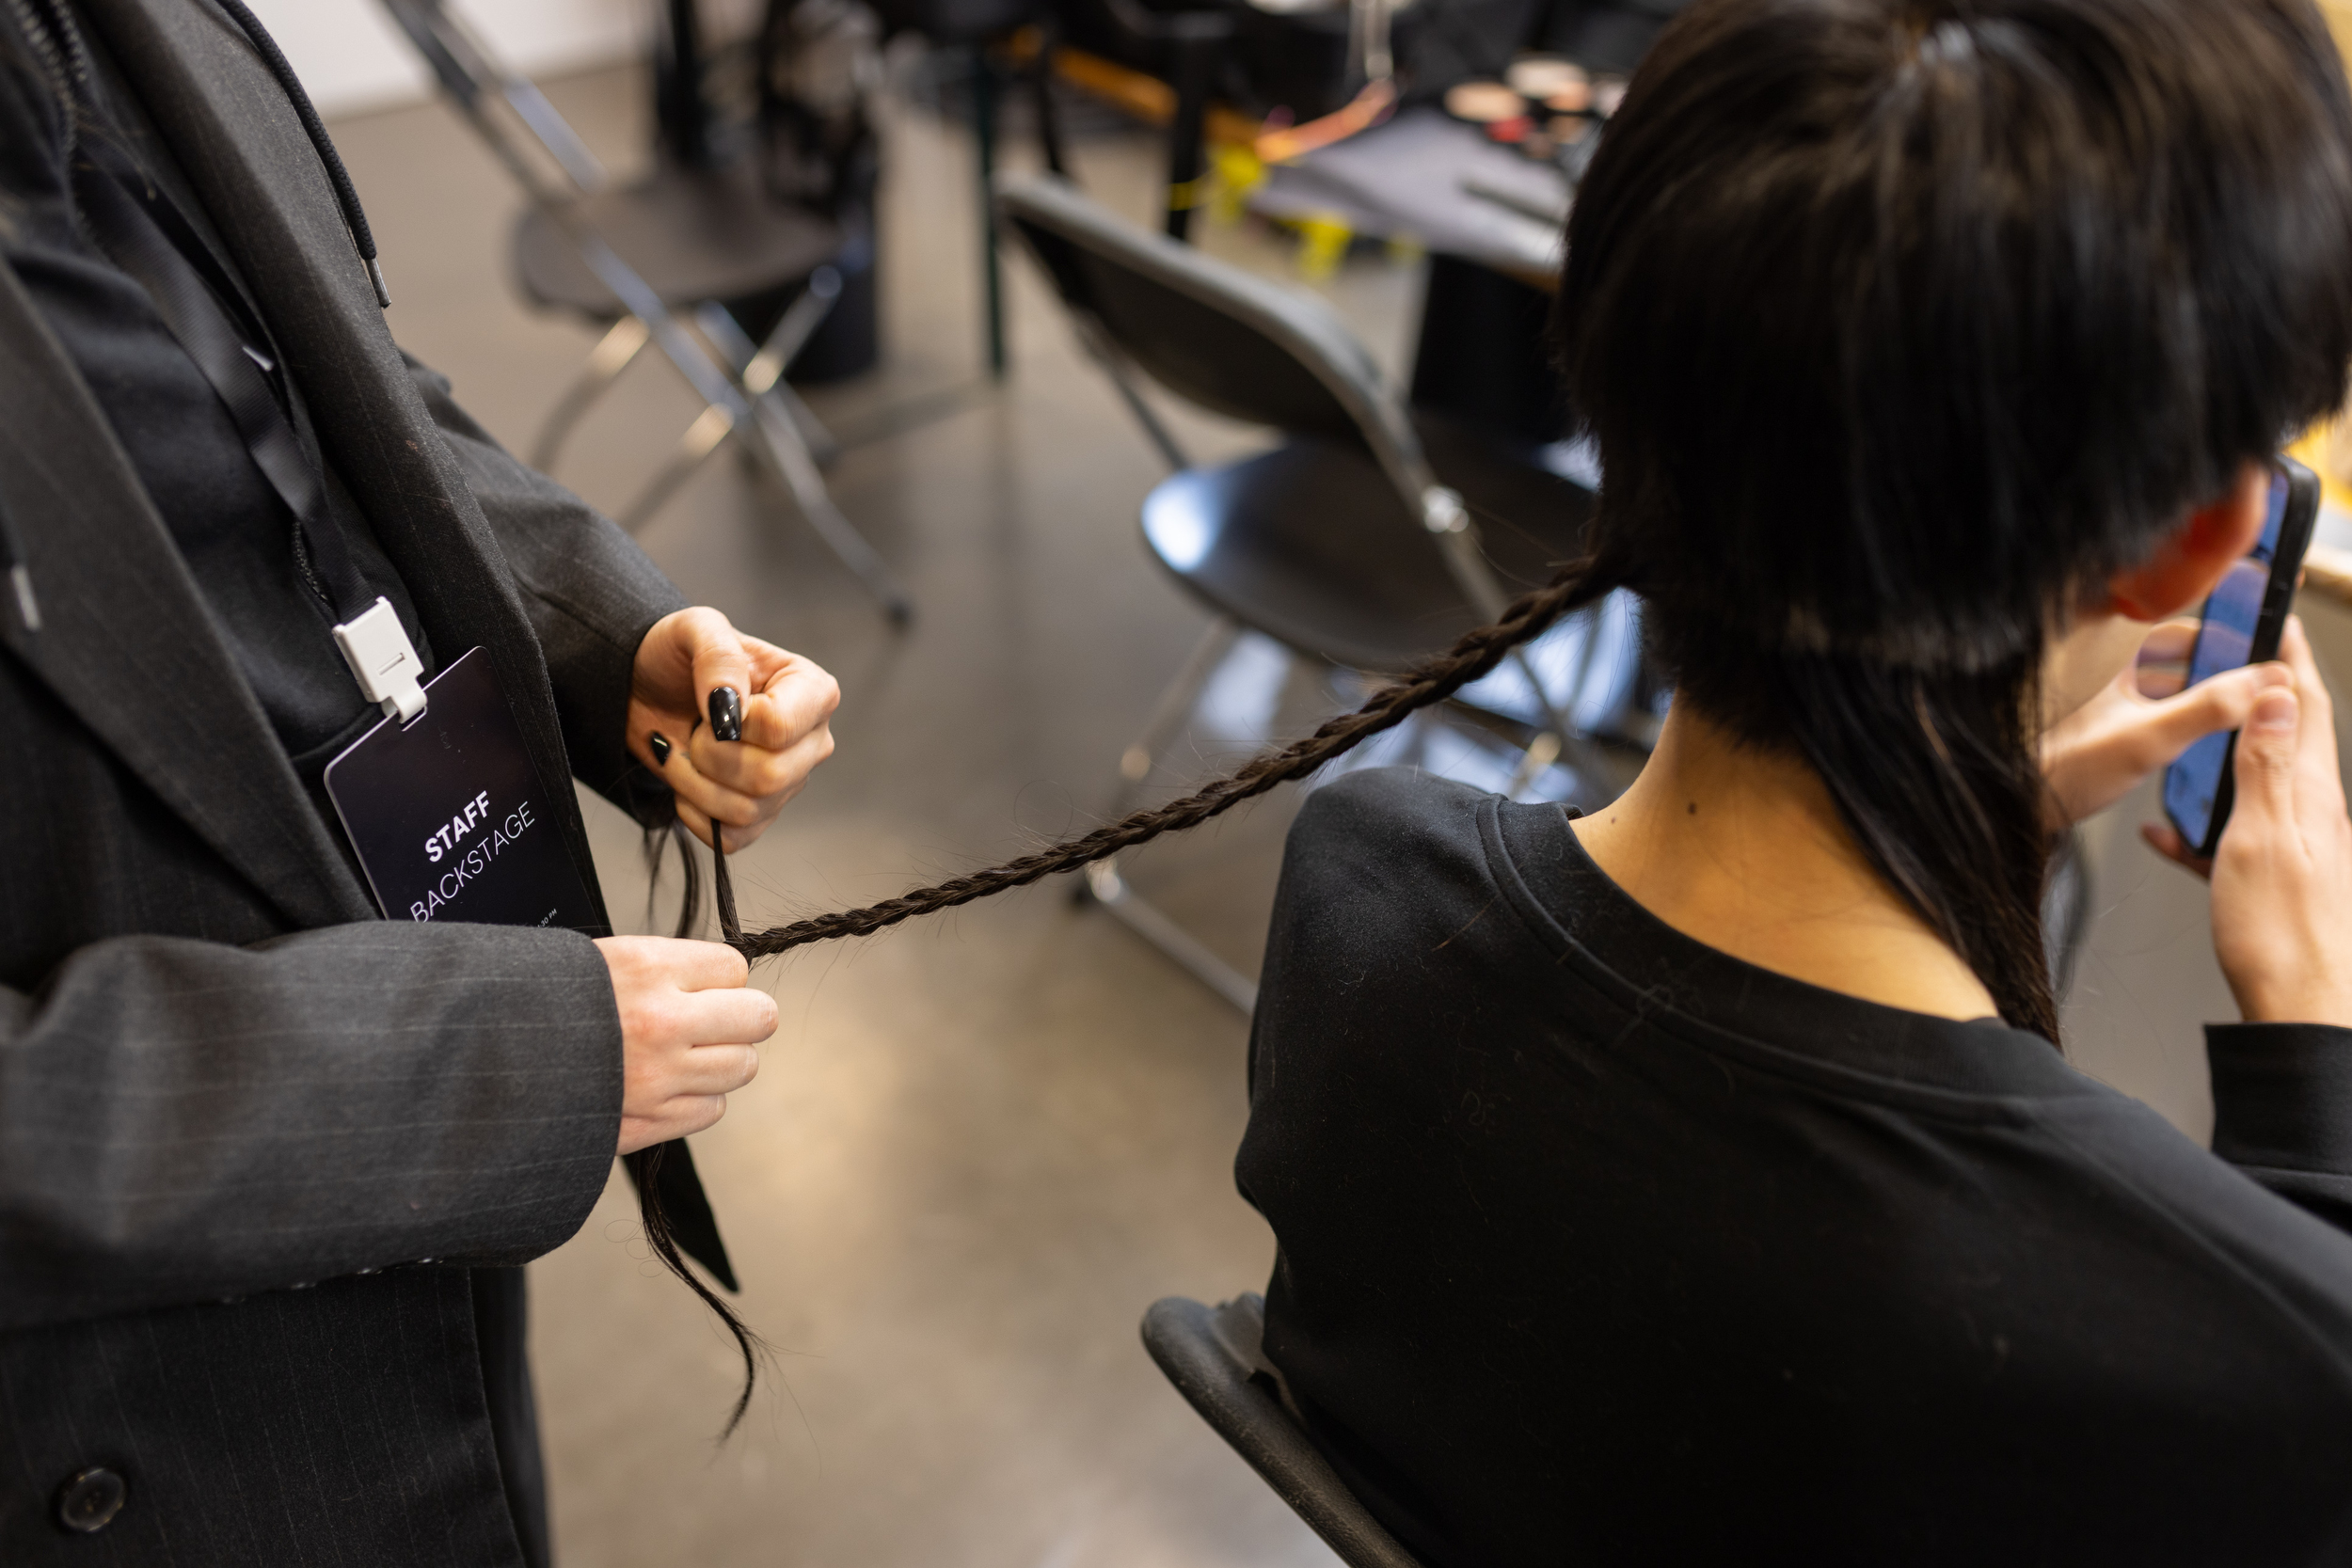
[235, 1108]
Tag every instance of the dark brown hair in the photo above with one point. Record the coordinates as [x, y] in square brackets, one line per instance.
[646, 1165]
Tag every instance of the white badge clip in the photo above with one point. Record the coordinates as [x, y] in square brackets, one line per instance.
[383, 660]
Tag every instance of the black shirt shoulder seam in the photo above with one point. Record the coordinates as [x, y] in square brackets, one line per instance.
[1954, 1105]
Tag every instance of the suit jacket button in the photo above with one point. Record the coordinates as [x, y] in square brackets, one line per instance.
[87, 1502]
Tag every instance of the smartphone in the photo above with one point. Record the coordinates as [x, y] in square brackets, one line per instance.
[2241, 623]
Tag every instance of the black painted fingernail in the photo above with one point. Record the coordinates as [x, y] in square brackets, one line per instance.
[727, 713]
[660, 745]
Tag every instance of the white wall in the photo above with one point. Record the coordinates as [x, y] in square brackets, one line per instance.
[352, 58]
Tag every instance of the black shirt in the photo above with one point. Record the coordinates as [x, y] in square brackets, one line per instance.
[236, 535]
[1599, 1245]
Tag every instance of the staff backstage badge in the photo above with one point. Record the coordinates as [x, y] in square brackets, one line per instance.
[447, 813]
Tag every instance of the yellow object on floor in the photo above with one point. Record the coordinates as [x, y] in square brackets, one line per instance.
[1323, 241]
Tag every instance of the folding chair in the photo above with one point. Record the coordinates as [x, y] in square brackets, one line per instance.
[1217, 1359]
[1352, 542]
[642, 259]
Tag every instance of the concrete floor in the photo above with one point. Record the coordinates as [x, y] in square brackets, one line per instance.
[981, 1147]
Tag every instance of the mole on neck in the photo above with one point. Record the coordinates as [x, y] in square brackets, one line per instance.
[1742, 848]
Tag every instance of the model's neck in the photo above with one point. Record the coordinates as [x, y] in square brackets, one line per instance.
[1743, 849]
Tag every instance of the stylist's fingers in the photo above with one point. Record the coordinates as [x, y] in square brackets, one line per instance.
[689, 1023]
[710, 966]
[651, 968]
[681, 1116]
[725, 1018]
[739, 1017]
[767, 777]
[715, 1070]
[701, 799]
[737, 762]
[791, 697]
[697, 823]
[722, 676]
[737, 836]
[786, 732]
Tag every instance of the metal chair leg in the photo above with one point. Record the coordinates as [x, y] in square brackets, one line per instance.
[759, 366]
[1568, 740]
[1175, 705]
[725, 409]
[695, 448]
[1102, 883]
[1197, 38]
[611, 356]
[822, 444]
[1041, 81]
[1108, 888]
[1541, 753]
[984, 151]
[1470, 574]
[1098, 343]
[1547, 747]
[779, 441]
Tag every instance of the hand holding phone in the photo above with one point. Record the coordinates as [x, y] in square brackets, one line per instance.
[2243, 621]
[2282, 878]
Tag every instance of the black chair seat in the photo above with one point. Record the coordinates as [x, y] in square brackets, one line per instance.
[692, 234]
[1309, 544]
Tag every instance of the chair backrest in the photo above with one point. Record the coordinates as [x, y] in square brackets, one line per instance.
[474, 82]
[1215, 1357]
[1213, 334]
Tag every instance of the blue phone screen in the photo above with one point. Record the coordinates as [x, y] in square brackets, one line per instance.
[2225, 636]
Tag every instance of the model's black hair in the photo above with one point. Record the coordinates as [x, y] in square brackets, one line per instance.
[1903, 326]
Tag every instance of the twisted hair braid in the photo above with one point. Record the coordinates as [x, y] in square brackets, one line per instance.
[1578, 584]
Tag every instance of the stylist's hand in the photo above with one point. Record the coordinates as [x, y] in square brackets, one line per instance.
[788, 708]
[2142, 719]
[2282, 875]
[687, 1026]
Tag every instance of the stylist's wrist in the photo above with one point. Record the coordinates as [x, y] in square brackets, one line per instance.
[689, 1023]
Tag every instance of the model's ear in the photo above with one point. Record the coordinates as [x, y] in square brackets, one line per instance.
[2193, 556]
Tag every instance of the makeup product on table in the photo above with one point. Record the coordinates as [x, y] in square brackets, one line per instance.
[1546, 107]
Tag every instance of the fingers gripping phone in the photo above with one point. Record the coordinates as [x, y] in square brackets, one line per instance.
[2242, 623]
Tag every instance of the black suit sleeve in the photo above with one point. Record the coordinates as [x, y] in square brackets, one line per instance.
[591, 593]
[183, 1121]
[2282, 1110]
